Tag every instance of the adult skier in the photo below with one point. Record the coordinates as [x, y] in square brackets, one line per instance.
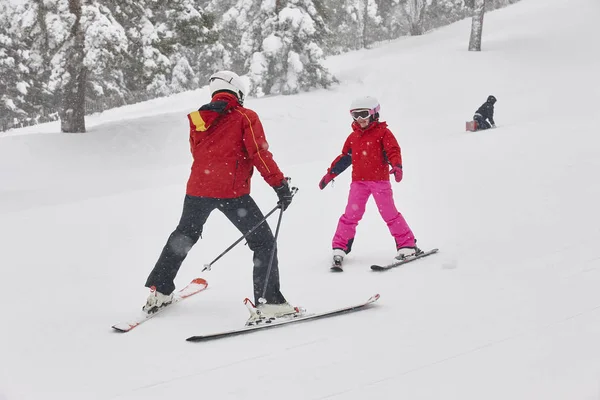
[227, 142]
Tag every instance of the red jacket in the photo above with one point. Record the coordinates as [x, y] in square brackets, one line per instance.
[370, 152]
[227, 141]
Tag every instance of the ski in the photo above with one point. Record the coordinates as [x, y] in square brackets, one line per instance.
[406, 260]
[284, 321]
[195, 286]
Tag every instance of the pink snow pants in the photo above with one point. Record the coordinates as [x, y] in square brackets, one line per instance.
[357, 201]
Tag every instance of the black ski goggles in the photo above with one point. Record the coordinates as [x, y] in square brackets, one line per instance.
[363, 113]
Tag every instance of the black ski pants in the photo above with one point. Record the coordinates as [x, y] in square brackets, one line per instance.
[481, 122]
[244, 214]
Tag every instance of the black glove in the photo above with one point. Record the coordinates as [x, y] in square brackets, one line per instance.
[284, 193]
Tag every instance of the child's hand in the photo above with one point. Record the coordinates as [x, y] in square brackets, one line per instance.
[397, 171]
[326, 179]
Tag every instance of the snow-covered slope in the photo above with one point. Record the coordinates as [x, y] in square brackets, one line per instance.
[509, 308]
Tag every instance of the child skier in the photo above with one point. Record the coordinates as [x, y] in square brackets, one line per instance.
[371, 149]
[485, 112]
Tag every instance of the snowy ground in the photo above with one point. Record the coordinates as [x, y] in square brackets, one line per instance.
[509, 308]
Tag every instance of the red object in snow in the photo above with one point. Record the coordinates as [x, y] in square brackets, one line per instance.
[471, 126]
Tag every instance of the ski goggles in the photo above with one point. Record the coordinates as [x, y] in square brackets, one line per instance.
[363, 113]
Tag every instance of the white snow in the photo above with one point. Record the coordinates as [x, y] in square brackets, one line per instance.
[22, 87]
[509, 308]
[271, 44]
[9, 103]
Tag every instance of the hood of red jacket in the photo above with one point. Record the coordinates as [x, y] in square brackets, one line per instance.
[221, 103]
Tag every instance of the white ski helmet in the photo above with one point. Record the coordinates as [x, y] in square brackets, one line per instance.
[229, 82]
[366, 103]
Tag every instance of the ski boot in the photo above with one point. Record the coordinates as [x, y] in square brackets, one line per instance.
[407, 252]
[338, 259]
[156, 300]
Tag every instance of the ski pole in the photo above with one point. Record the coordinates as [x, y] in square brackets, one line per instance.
[207, 267]
[264, 292]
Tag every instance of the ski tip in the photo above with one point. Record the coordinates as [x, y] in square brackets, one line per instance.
[200, 281]
[123, 328]
[375, 297]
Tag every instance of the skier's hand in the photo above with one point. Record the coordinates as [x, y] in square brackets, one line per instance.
[326, 179]
[397, 171]
[284, 193]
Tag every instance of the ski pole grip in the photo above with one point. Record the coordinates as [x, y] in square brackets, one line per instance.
[293, 189]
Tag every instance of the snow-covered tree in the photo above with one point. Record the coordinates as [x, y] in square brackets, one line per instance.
[493, 4]
[144, 66]
[105, 51]
[281, 45]
[74, 78]
[240, 30]
[188, 36]
[170, 45]
[61, 54]
[443, 12]
[354, 24]
[415, 12]
[12, 86]
[225, 54]
[393, 19]
[477, 26]
[58, 63]
[33, 29]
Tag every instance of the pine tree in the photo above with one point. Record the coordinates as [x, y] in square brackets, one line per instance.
[356, 24]
[283, 47]
[415, 12]
[75, 80]
[477, 26]
[35, 31]
[393, 19]
[443, 12]
[225, 54]
[346, 19]
[188, 36]
[106, 48]
[240, 33]
[12, 88]
[144, 66]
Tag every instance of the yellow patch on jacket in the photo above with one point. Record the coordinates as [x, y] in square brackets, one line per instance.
[198, 122]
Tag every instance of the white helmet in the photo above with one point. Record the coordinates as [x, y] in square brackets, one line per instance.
[227, 81]
[366, 103]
